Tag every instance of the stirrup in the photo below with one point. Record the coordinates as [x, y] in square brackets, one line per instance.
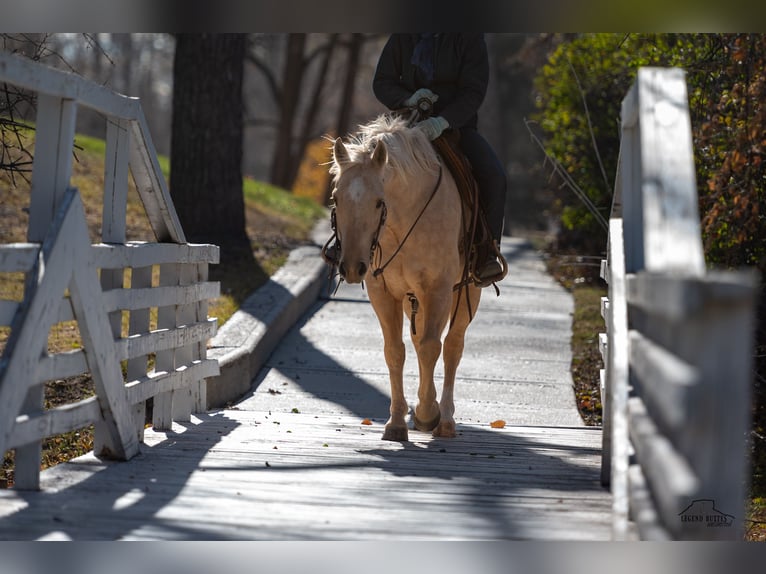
[492, 279]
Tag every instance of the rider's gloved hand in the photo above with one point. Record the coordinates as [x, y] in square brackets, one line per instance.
[433, 127]
[413, 100]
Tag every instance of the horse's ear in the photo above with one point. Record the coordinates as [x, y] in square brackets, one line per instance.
[380, 154]
[340, 153]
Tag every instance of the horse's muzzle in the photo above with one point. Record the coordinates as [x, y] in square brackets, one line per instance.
[353, 274]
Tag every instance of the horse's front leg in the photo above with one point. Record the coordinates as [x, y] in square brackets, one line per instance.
[389, 312]
[430, 322]
[453, 351]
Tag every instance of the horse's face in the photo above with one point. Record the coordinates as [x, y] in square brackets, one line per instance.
[359, 209]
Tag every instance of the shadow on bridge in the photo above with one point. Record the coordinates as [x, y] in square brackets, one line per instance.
[106, 500]
[513, 483]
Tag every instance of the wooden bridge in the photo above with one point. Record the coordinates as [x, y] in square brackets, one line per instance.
[300, 456]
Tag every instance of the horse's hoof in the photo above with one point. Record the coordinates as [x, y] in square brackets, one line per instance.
[426, 426]
[445, 429]
[396, 434]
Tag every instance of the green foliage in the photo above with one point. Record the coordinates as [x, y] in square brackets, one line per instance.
[731, 141]
[579, 96]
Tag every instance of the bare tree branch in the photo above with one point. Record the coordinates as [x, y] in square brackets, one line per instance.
[590, 127]
[559, 170]
[267, 72]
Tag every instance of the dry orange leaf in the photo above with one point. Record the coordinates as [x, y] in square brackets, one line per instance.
[366, 422]
[498, 424]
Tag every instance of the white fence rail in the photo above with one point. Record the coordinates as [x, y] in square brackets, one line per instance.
[68, 278]
[679, 342]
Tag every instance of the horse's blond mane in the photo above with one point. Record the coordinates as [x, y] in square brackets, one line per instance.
[409, 150]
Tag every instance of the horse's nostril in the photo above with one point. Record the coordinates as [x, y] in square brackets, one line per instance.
[362, 269]
[342, 269]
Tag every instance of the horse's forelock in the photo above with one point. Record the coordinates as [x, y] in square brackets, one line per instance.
[409, 150]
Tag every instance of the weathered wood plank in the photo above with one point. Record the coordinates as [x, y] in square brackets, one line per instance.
[61, 366]
[32, 323]
[605, 308]
[52, 167]
[64, 311]
[162, 296]
[642, 509]
[158, 383]
[603, 346]
[8, 312]
[28, 453]
[671, 229]
[665, 383]
[208, 479]
[25, 73]
[199, 351]
[113, 227]
[139, 254]
[163, 339]
[616, 443]
[116, 437]
[55, 421]
[604, 270]
[672, 482]
[18, 257]
[151, 185]
[185, 315]
[162, 414]
[139, 321]
[677, 297]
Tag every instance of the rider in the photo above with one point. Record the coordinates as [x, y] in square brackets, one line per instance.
[452, 72]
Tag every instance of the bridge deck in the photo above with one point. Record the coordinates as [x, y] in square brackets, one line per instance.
[260, 470]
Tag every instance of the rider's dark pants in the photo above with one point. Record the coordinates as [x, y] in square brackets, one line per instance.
[490, 176]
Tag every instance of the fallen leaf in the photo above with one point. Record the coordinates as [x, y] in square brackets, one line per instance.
[498, 424]
[366, 422]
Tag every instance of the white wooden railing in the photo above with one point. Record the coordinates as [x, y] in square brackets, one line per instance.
[68, 278]
[679, 342]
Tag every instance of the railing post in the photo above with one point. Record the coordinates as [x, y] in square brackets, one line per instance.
[679, 338]
[51, 172]
[52, 168]
[113, 230]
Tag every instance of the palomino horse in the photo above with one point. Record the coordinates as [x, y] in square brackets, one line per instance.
[398, 209]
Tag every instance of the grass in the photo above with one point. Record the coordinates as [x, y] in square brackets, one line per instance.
[276, 220]
[581, 277]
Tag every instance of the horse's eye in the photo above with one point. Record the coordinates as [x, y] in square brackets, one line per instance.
[379, 204]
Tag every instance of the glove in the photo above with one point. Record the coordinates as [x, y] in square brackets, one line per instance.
[433, 127]
[413, 100]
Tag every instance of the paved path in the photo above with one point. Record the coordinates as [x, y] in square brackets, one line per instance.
[293, 460]
[516, 364]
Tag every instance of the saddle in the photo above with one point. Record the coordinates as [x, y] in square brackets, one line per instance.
[477, 243]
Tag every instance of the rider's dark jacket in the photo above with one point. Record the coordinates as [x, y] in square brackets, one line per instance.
[460, 75]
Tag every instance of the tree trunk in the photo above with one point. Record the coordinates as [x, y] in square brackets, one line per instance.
[347, 99]
[352, 68]
[311, 114]
[293, 76]
[206, 148]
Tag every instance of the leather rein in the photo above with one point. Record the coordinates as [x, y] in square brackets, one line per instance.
[375, 245]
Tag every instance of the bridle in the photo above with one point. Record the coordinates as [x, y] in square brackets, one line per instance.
[382, 268]
[375, 244]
